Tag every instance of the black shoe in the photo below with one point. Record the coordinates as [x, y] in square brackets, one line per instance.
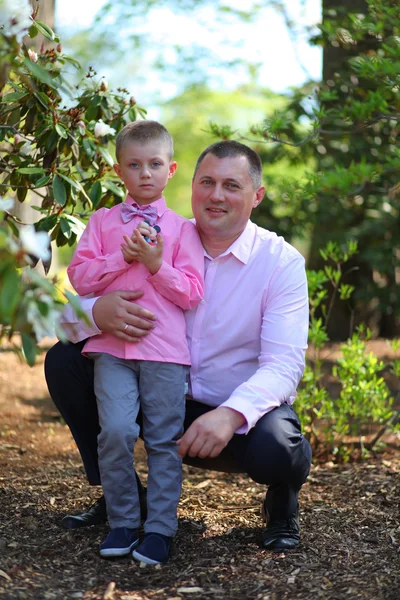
[280, 511]
[281, 534]
[97, 513]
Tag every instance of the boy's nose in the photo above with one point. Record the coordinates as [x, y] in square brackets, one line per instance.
[145, 173]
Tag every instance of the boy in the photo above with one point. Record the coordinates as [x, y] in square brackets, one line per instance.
[113, 254]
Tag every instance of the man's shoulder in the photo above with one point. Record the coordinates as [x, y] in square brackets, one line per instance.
[274, 245]
[179, 219]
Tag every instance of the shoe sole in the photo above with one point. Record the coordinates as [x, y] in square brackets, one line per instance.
[145, 559]
[76, 522]
[113, 552]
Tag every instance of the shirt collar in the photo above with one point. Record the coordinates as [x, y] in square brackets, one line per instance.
[160, 205]
[242, 246]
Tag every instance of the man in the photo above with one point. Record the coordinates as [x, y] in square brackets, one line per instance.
[247, 340]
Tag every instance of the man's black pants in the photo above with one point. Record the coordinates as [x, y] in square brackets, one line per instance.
[273, 453]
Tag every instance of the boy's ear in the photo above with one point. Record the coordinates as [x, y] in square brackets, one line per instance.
[117, 169]
[172, 169]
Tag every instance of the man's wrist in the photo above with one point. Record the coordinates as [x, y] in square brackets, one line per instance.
[235, 418]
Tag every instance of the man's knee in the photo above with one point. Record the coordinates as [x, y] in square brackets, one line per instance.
[277, 450]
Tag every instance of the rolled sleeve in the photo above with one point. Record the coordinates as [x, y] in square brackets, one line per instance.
[76, 329]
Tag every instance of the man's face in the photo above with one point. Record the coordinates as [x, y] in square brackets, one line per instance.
[223, 197]
[145, 170]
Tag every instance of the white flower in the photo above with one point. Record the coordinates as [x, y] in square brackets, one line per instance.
[35, 242]
[43, 325]
[6, 203]
[101, 129]
[26, 148]
[15, 18]
[33, 55]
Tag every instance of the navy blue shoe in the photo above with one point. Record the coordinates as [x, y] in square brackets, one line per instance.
[119, 542]
[154, 549]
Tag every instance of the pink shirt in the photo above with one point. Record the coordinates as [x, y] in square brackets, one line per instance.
[248, 336]
[98, 267]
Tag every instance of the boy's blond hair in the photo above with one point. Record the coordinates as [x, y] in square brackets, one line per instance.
[144, 131]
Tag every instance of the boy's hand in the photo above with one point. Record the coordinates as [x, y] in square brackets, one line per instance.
[136, 248]
[147, 231]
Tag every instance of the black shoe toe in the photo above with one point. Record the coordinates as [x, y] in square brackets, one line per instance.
[95, 515]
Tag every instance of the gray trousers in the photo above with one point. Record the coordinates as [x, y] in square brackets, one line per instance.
[122, 387]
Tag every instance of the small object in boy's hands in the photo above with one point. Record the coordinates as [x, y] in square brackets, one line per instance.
[146, 237]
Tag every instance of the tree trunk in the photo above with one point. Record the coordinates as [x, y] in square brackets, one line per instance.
[334, 222]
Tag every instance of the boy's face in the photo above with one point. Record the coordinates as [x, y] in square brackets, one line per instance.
[145, 169]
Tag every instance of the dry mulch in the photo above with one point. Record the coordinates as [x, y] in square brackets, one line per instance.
[350, 522]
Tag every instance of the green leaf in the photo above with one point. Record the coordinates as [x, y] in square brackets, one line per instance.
[39, 72]
[65, 227]
[42, 181]
[62, 132]
[59, 191]
[45, 30]
[14, 97]
[77, 185]
[106, 156]
[96, 193]
[31, 171]
[9, 293]
[75, 224]
[29, 348]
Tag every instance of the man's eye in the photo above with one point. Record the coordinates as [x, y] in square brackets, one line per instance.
[233, 185]
[206, 182]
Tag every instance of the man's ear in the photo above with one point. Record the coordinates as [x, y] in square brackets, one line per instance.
[259, 195]
[172, 169]
[117, 169]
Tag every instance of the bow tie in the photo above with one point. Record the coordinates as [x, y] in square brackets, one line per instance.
[128, 211]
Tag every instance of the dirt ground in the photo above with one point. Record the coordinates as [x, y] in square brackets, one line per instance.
[350, 547]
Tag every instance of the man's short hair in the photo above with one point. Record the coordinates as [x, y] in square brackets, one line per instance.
[228, 148]
[144, 131]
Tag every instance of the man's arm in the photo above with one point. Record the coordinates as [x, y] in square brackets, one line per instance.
[109, 314]
[281, 363]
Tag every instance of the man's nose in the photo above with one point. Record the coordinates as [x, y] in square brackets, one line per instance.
[217, 194]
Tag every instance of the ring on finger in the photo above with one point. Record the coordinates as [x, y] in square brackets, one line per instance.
[126, 327]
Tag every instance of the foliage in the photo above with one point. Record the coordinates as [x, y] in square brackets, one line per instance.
[342, 423]
[55, 151]
[346, 130]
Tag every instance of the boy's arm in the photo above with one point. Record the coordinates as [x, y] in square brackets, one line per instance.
[90, 271]
[183, 282]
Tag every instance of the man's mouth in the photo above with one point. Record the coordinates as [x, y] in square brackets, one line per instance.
[217, 211]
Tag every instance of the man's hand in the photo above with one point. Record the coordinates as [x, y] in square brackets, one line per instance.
[113, 311]
[136, 248]
[209, 434]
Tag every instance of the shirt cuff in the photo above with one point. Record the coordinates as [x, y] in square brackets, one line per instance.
[76, 329]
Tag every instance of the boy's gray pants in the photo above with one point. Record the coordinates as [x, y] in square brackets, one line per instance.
[123, 386]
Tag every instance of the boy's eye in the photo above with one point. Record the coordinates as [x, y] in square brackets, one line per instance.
[156, 163]
[134, 165]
